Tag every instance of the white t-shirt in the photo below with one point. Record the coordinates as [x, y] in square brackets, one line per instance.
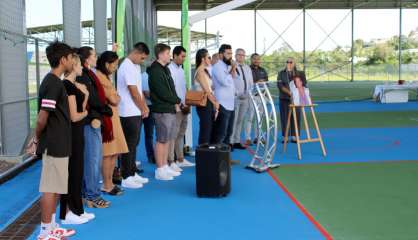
[129, 74]
[177, 73]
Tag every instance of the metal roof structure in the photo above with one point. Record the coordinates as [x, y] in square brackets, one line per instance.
[175, 5]
[163, 31]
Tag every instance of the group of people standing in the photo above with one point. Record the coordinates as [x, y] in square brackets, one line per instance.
[228, 84]
[87, 127]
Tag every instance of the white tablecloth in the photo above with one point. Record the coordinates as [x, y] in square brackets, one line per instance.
[393, 93]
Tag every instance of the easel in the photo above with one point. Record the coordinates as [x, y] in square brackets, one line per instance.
[295, 120]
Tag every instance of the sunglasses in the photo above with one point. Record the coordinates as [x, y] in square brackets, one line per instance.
[289, 62]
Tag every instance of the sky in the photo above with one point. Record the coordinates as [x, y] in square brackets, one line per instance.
[237, 27]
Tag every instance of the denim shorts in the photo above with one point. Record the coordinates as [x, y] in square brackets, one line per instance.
[165, 126]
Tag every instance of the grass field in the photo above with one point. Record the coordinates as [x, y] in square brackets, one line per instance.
[367, 119]
[359, 201]
[341, 90]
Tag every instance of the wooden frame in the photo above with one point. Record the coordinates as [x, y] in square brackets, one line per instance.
[306, 124]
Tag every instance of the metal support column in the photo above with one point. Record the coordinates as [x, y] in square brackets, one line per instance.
[38, 70]
[100, 25]
[185, 40]
[304, 38]
[352, 44]
[400, 42]
[71, 10]
[206, 33]
[255, 30]
[118, 28]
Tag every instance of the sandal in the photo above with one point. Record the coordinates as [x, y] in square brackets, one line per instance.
[97, 203]
[116, 191]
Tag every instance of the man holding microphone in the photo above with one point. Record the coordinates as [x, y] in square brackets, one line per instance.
[224, 73]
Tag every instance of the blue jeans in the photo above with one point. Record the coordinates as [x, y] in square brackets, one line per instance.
[224, 124]
[93, 155]
[149, 125]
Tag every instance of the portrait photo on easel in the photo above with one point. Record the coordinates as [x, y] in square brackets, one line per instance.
[300, 93]
[301, 99]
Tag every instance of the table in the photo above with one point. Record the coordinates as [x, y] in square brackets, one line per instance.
[394, 93]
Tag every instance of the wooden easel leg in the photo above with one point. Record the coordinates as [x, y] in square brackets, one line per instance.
[324, 152]
[296, 132]
[308, 133]
[286, 134]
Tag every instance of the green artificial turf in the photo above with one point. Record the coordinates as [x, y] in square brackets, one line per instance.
[366, 119]
[358, 201]
[341, 90]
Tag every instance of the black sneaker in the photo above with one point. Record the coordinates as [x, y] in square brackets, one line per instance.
[238, 146]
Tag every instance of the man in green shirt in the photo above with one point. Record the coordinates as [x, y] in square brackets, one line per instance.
[165, 104]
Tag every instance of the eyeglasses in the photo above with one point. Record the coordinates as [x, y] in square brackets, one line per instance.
[289, 62]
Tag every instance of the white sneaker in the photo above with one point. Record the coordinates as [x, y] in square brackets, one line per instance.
[162, 174]
[88, 216]
[185, 163]
[131, 183]
[48, 237]
[71, 218]
[140, 179]
[171, 171]
[175, 167]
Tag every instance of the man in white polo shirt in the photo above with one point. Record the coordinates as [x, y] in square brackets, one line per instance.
[132, 109]
[176, 155]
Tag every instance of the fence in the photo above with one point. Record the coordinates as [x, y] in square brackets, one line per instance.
[342, 71]
[36, 67]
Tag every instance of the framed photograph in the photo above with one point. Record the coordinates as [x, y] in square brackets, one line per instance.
[301, 96]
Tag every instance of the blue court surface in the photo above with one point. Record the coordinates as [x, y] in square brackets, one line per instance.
[257, 207]
[19, 193]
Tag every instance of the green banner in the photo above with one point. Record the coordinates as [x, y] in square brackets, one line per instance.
[185, 39]
[120, 27]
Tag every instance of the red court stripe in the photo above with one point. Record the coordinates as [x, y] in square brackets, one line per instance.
[301, 207]
[295, 201]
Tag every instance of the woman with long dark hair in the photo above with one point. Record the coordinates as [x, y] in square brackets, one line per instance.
[107, 64]
[203, 82]
[97, 128]
[284, 77]
[71, 207]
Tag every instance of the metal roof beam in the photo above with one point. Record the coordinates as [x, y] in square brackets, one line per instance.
[218, 10]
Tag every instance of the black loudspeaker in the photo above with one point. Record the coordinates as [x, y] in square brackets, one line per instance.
[213, 170]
